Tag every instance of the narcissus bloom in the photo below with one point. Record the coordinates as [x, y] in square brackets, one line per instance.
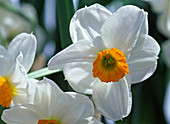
[161, 7]
[15, 62]
[52, 106]
[109, 53]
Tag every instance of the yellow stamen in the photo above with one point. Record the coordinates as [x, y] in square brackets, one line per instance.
[48, 122]
[7, 91]
[110, 65]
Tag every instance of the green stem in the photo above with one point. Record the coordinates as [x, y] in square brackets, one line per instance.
[42, 72]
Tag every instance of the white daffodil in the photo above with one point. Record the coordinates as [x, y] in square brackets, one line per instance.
[52, 106]
[109, 53]
[162, 8]
[15, 62]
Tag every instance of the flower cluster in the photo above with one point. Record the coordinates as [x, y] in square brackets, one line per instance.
[110, 52]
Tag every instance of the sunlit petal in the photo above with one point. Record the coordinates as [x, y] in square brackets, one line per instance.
[86, 22]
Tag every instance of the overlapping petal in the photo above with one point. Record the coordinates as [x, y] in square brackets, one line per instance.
[18, 73]
[15, 62]
[86, 22]
[80, 72]
[25, 43]
[49, 102]
[112, 99]
[23, 114]
[143, 59]
[25, 89]
[81, 51]
[79, 108]
[121, 34]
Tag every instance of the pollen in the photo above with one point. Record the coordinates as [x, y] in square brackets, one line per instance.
[48, 122]
[110, 65]
[7, 91]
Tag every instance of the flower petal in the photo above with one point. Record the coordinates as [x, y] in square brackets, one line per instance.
[82, 51]
[25, 43]
[42, 93]
[121, 34]
[18, 73]
[22, 114]
[86, 22]
[112, 99]
[80, 76]
[143, 59]
[93, 121]
[23, 94]
[71, 108]
[166, 52]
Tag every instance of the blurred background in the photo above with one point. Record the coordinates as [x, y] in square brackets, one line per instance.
[49, 21]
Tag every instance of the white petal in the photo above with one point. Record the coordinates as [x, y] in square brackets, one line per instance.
[166, 52]
[94, 121]
[70, 108]
[80, 76]
[86, 22]
[25, 43]
[22, 114]
[82, 51]
[42, 93]
[143, 59]
[112, 99]
[17, 72]
[122, 29]
[23, 91]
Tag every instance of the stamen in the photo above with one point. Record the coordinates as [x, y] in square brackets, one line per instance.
[110, 65]
[48, 122]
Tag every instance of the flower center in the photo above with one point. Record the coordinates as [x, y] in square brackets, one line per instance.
[110, 65]
[7, 91]
[48, 122]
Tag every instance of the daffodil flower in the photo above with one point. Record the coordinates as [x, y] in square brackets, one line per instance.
[109, 53]
[161, 7]
[15, 62]
[51, 105]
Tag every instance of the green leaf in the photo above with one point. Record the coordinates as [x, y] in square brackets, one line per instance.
[83, 3]
[42, 72]
[1, 110]
[65, 11]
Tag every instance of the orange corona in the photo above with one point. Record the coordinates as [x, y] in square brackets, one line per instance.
[7, 91]
[110, 65]
[48, 122]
